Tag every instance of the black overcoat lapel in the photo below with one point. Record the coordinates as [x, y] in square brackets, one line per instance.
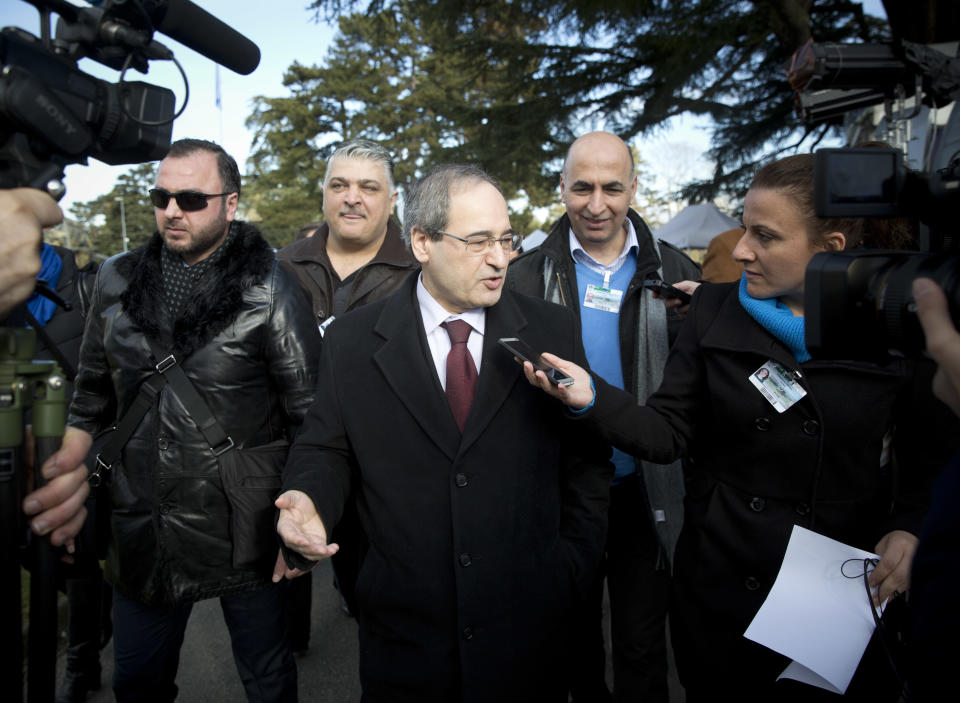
[732, 329]
[408, 368]
[498, 371]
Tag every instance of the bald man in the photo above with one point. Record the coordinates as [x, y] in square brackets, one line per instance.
[594, 261]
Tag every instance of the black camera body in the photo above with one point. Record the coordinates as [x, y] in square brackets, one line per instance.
[859, 304]
[52, 114]
[55, 114]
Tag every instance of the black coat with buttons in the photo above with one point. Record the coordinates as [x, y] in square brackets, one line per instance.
[478, 543]
[247, 341]
[754, 473]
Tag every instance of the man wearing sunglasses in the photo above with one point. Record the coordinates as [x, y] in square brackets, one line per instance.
[483, 506]
[206, 295]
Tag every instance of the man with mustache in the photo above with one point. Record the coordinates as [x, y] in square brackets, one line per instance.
[357, 255]
[353, 258]
[594, 261]
[204, 302]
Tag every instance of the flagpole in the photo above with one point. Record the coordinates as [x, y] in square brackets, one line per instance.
[219, 100]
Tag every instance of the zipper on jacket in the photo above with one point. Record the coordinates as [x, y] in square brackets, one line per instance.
[563, 299]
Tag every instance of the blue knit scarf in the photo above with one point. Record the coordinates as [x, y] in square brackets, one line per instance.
[50, 268]
[776, 318]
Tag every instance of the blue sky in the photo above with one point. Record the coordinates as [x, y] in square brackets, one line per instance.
[284, 31]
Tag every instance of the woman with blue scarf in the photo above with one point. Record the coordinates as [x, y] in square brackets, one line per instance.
[773, 439]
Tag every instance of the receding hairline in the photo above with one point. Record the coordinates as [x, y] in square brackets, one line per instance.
[600, 137]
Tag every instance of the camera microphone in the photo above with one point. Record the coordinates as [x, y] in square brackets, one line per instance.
[196, 28]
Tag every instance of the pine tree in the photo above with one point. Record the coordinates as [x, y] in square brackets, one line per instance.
[393, 76]
[100, 217]
[561, 68]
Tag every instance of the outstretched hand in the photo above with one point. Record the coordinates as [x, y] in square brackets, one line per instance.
[578, 395]
[302, 530]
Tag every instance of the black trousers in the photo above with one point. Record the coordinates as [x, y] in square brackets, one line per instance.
[147, 643]
[639, 585]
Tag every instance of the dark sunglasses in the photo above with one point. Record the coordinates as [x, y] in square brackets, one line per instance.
[187, 200]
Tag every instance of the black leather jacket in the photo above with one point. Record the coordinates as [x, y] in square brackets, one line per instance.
[248, 343]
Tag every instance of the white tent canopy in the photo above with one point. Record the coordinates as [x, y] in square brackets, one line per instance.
[533, 240]
[694, 226]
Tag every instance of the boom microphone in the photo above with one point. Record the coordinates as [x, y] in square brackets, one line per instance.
[195, 27]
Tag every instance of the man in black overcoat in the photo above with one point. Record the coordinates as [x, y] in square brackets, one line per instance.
[482, 526]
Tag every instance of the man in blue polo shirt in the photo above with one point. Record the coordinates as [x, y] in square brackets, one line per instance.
[595, 260]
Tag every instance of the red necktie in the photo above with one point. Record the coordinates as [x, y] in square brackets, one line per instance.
[461, 371]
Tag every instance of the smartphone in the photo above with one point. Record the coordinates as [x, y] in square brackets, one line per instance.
[666, 290]
[524, 352]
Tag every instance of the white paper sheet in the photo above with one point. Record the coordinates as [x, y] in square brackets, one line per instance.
[814, 614]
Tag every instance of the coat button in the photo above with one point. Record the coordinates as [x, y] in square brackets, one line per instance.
[811, 427]
[163, 444]
[802, 509]
[164, 509]
[762, 423]
[468, 633]
[757, 504]
[461, 480]
[465, 559]
[751, 583]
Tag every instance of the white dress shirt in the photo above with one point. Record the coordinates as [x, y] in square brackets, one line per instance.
[434, 315]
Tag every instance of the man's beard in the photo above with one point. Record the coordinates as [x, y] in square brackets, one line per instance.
[200, 241]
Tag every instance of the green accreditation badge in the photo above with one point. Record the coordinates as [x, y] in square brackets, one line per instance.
[778, 385]
[606, 299]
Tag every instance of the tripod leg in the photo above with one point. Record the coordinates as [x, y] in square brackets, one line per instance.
[11, 521]
[49, 420]
[11, 664]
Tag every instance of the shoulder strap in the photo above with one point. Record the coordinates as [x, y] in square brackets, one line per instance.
[145, 399]
[212, 431]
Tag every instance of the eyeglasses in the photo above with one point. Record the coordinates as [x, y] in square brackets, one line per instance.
[885, 638]
[480, 244]
[187, 200]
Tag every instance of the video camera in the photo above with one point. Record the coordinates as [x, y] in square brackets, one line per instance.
[859, 304]
[52, 114]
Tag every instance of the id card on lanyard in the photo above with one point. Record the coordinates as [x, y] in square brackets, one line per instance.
[603, 297]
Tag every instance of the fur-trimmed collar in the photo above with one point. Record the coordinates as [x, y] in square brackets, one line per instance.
[216, 300]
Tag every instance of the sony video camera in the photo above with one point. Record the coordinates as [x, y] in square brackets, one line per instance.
[859, 304]
[52, 114]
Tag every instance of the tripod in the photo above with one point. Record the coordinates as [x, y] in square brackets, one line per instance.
[41, 387]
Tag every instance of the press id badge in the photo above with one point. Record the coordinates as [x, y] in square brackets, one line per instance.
[606, 299]
[777, 385]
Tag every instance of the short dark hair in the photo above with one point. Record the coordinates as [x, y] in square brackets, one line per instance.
[364, 149]
[427, 203]
[793, 176]
[226, 165]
